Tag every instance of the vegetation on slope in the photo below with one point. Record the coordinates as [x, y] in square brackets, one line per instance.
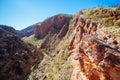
[53, 68]
[16, 56]
[56, 63]
[31, 39]
[108, 18]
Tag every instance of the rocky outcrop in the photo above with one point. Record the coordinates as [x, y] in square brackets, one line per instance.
[97, 60]
[109, 12]
[96, 56]
[16, 57]
[52, 25]
[53, 30]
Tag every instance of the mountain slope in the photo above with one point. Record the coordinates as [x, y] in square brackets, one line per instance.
[51, 31]
[95, 50]
[52, 25]
[16, 57]
[89, 50]
[7, 29]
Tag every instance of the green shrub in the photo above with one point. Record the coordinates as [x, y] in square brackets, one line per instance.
[117, 23]
[88, 13]
[100, 15]
[118, 7]
[50, 77]
[64, 56]
[108, 21]
[32, 68]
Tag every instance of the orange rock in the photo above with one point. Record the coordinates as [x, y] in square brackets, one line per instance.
[96, 54]
[53, 25]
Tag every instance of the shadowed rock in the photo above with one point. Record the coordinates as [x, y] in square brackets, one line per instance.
[16, 57]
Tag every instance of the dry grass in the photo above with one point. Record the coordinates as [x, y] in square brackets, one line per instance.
[53, 68]
[31, 39]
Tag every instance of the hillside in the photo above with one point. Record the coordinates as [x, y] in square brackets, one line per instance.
[84, 46]
[89, 50]
[7, 30]
[17, 58]
[95, 49]
[50, 31]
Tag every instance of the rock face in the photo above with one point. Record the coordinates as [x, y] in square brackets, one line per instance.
[52, 25]
[96, 57]
[16, 57]
[97, 60]
[112, 13]
[53, 30]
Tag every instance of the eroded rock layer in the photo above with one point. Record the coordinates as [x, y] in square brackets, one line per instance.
[53, 25]
[96, 57]
[97, 60]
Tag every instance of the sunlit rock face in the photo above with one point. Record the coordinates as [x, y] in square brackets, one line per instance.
[96, 55]
[97, 60]
[16, 57]
[53, 25]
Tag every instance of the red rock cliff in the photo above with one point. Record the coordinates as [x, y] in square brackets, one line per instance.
[53, 25]
[96, 57]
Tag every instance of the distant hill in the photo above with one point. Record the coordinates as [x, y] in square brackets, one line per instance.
[27, 31]
[41, 29]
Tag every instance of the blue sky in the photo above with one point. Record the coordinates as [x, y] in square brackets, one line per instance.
[23, 13]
